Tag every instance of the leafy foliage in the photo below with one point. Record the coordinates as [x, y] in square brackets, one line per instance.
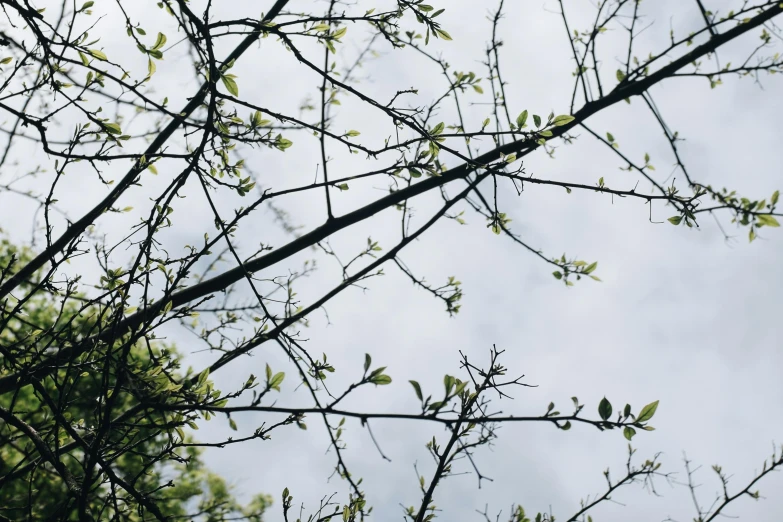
[98, 413]
[142, 452]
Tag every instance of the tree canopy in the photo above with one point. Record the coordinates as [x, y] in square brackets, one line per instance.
[175, 186]
[179, 486]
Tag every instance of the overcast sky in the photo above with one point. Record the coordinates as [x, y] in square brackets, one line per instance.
[681, 316]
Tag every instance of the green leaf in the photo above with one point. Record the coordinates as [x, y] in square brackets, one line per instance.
[620, 75]
[647, 412]
[563, 119]
[159, 42]
[367, 361]
[230, 84]
[609, 137]
[340, 33]
[202, 377]
[352, 133]
[436, 406]
[277, 380]
[112, 128]
[537, 120]
[443, 34]
[448, 383]
[675, 220]
[417, 389]
[86, 5]
[381, 379]
[283, 143]
[629, 432]
[566, 426]
[767, 220]
[98, 54]
[591, 267]
[522, 119]
[85, 60]
[557, 274]
[342, 186]
[605, 409]
[478, 88]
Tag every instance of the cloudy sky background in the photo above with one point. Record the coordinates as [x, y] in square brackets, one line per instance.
[681, 315]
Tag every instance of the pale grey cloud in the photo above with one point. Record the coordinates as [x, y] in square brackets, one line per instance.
[682, 316]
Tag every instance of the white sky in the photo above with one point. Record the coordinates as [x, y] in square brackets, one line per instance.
[681, 315]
